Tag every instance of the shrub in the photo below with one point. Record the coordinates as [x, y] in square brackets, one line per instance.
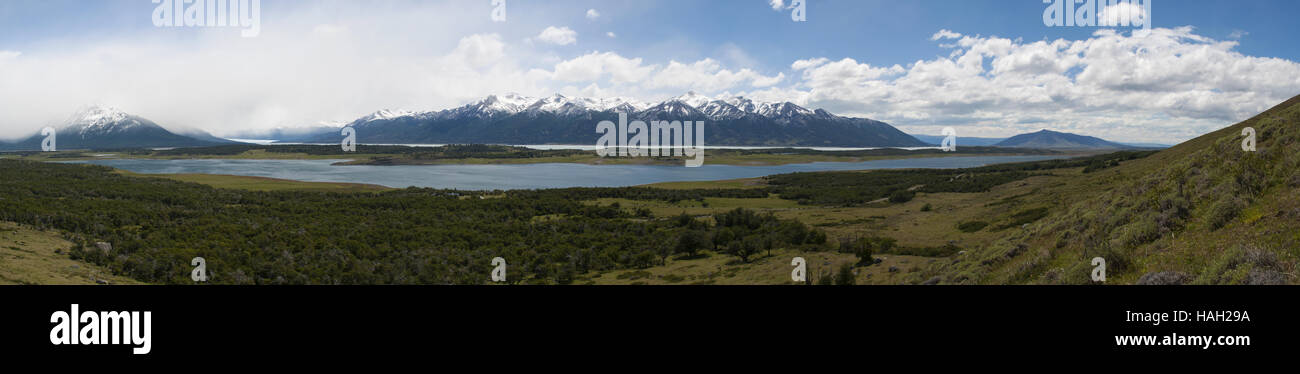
[845, 276]
[901, 196]
[1224, 211]
[972, 226]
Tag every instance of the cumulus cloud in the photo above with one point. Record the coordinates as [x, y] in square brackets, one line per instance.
[478, 50]
[945, 34]
[707, 75]
[1169, 85]
[611, 34]
[558, 35]
[598, 65]
[592, 14]
[776, 4]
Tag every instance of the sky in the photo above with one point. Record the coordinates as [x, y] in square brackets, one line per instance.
[988, 68]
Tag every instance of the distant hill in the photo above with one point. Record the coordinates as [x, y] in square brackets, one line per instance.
[100, 127]
[1048, 139]
[936, 140]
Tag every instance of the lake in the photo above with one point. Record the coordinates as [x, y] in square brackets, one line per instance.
[527, 176]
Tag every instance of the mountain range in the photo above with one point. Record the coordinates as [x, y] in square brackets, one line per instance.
[103, 127]
[516, 119]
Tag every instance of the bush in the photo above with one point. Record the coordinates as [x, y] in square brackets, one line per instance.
[845, 276]
[972, 226]
[1225, 211]
[901, 196]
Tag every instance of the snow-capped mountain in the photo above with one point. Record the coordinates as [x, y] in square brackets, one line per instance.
[560, 119]
[104, 127]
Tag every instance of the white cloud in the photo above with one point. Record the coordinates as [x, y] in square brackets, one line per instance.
[592, 14]
[478, 50]
[707, 75]
[558, 35]
[611, 34]
[594, 66]
[776, 4]
[945, 34]
[1170, 85]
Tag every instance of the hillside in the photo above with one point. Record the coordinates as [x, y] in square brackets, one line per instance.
[1202, 212]
[1047, 139]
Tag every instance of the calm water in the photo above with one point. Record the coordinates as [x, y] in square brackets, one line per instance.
[505, 177]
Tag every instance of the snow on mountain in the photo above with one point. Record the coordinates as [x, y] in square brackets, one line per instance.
[689, 104]
[100, 119]
[786, 109]
[385, 114]
[693, 99]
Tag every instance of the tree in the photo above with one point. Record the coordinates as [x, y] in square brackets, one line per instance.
[691, 242]
[744, 248]
[863, 248]
[845, 276]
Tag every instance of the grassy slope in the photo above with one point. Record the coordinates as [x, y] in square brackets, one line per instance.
[30, 256]
[1162, 214]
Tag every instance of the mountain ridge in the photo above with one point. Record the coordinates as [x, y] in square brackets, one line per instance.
[558, 119]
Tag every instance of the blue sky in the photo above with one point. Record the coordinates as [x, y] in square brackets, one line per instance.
[1206, 65]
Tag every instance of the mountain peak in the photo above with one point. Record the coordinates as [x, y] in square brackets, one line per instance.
[96, 116]
[693, 99]
[386, 114]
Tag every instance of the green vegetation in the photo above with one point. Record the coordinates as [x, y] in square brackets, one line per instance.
[415, 236]
[899, 186]
[972, 226]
